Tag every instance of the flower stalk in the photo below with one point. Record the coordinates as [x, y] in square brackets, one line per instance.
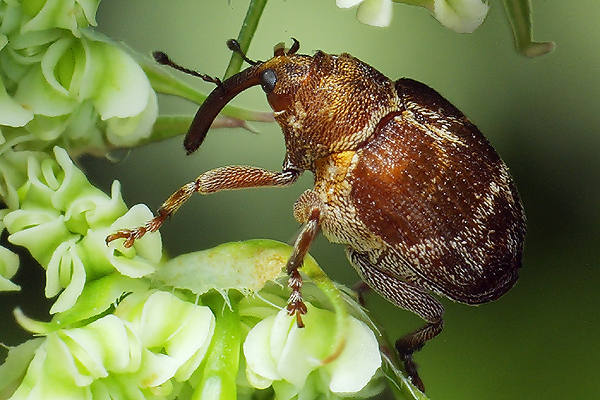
[255, 10]
[518, 13]
[218, 380]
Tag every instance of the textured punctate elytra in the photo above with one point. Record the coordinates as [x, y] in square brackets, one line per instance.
[421, 200]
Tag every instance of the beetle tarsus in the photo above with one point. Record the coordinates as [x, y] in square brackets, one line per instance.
[410, 367]
[130, 236]
[297, 308]
[295, 304]
[360, 288]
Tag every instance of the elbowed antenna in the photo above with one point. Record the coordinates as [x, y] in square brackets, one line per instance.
[162, 58]
[214, 103]
[234, 46]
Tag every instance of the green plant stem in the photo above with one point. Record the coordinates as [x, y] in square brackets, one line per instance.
[223, 358]
[244, 38]
[168, 126]
[165, 83]
[518, 13]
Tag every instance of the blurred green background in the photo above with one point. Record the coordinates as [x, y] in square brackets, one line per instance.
[542, 339]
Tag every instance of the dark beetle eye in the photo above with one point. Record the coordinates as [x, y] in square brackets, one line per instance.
[268, 79]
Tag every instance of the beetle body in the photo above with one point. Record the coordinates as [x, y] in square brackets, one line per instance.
[402, 178]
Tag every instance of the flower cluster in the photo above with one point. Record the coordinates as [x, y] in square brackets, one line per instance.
[458, 15]
[281, 355]
[206, 341]
[63, 83]
[150, 345]
[63, 220]
[463, 16]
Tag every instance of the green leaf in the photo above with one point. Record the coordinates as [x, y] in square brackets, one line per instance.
[244, 266]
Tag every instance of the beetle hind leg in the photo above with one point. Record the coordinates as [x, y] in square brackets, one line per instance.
[412, 342]
[408, 297]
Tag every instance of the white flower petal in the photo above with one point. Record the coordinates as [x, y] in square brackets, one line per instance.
[7, 286]
[16, 364]
[89, 8]
[129, 131]
[53, 286]
[191, 341]
[108, 343]
[118, 86]
[375, 12]
[36, 94]
[53, 13]
[77, 278]
[282, 324]
[156, 369]
[347, 3]
[257, 381]
[50, 61]
[361, 344]
[260, 365]
[280, 354]
[132, 267]
[152, 327]
[148, 247]
[462, 16]
[9, 264]
[40, 240]
[305, 347]
[11, 112]
[61, 361]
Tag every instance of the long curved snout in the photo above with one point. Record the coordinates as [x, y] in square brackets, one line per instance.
[215, 102]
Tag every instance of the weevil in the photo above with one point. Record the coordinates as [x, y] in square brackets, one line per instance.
[402, 178]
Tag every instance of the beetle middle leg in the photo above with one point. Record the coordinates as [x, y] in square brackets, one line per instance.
[307, 210]
[408, 297]
[224, 178]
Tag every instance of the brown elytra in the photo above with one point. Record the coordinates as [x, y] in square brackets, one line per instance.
[413, 189]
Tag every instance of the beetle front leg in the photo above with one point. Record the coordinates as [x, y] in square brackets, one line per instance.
[307, 209]
[225, 178]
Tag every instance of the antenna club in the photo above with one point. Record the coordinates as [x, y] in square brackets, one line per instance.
[234, 45]
[161, 57]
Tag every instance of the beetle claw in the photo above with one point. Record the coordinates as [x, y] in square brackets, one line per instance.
[411, 370]
[297, 308]
[130, 235]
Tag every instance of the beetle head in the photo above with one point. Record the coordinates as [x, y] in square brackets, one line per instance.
[323, 103]
[267, 74]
